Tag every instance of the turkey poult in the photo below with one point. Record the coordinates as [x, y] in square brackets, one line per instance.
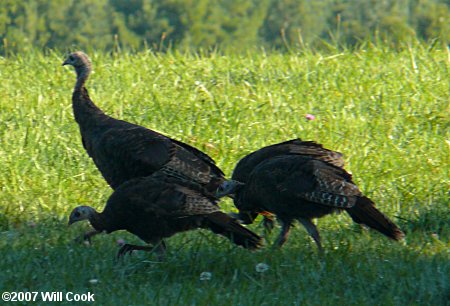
[152, 209]
[124, 151]
[302, 188]
[296, 146]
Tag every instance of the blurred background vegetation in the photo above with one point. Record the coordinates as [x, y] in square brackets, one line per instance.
[226, 24]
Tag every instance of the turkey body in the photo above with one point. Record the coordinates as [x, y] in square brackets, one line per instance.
[297, 147]
[123, 151]
[153, 209]
[283, 185]
[295, 187]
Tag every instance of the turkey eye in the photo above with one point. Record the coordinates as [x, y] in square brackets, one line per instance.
[71, 58]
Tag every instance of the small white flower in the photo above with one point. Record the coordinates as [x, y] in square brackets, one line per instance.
[261, 267]
[93, 281]
[205, 276]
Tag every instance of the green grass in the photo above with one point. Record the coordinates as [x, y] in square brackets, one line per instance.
[387, 111]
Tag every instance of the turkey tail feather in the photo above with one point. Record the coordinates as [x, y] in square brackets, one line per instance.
[221, 223]
[365, 212]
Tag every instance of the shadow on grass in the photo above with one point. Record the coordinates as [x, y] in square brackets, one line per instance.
[433, 219]
[356, 269]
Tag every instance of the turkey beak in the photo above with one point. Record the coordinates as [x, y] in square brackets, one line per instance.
[65, 63]
[229, 190]
[220, 194]
[71, 221]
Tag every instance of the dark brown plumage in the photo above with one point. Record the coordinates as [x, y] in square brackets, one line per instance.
[291, 147]
[302, 188]
[153, 209]
[124, 151]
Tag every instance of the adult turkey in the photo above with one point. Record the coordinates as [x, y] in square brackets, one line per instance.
[296, 146]
[124, 151]
[154, 208]
[297, 187]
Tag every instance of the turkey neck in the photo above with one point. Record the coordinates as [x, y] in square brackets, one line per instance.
[100, 222]
[83, 108]
[83, 72]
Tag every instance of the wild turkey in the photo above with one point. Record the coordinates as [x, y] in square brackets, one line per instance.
[153, 208]
[123, 151]
[291, 147]
[301, 187]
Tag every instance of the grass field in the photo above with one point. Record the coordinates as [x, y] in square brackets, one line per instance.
[387, 111]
